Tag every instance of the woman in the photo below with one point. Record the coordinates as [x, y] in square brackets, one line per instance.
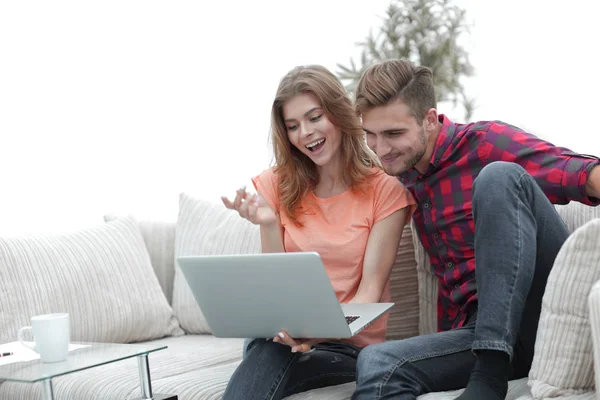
[327, 194]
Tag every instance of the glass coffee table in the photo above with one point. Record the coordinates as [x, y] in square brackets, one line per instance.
[93, 355]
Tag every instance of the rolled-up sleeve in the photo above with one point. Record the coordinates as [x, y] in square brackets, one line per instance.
[561, 173]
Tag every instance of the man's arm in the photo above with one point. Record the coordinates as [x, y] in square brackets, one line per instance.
[592, 186]
[562, 174]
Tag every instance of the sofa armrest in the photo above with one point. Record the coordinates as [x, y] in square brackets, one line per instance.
[403, 320]
[428, 288]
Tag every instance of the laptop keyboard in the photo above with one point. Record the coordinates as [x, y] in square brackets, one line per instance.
[351, 319]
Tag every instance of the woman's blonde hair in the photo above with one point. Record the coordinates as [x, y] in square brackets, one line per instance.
[297, 173]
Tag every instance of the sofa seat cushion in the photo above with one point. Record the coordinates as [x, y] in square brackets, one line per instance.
[517, 390]
[193, 367]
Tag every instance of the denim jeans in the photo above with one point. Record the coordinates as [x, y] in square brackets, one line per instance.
[518, 234]
[271, 371]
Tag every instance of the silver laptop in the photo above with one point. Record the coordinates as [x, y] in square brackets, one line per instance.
[258, 295]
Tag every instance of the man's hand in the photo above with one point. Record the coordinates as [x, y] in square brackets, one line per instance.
[592, 186]
[297, 345]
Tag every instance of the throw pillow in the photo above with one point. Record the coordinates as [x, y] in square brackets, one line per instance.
[563, 363]
[204, 228]
[159, 238]
[594, 306]
[101, 276]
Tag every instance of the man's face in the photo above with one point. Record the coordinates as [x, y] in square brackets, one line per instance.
[393, 133]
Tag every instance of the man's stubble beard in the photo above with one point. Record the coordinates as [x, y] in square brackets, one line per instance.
[410, 164]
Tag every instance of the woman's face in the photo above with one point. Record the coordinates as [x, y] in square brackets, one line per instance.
[309, 129]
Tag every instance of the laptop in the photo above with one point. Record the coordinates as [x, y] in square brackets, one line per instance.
[258, 295]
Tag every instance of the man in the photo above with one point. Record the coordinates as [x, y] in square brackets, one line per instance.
[486, 220]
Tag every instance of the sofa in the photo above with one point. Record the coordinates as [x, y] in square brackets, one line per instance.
[119, 282]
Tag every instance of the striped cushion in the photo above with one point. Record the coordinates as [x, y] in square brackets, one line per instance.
[194, 367]
[517, 390]
[594, 307]
[101, 276]
[428, 288]
[204, 228]
[563, 363]
[159, 237]
[403, 321]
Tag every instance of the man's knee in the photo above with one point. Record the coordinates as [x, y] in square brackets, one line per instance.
[387, 369]
[496, 177]
[370, 358]
[498, 172]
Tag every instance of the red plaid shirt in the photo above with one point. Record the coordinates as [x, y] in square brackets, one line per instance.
[444, 219]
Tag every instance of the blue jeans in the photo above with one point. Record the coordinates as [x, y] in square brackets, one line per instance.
[518, 234]
[271, 371]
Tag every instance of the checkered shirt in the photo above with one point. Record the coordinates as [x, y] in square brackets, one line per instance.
[444, 218]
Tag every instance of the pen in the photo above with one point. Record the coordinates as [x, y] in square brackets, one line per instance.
[6, 354]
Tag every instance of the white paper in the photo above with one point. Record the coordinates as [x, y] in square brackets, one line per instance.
[22, 353]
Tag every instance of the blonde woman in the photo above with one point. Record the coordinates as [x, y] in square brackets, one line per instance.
[327, 194]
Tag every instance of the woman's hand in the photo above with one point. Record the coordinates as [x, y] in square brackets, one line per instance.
[251, 207]
[297, 345]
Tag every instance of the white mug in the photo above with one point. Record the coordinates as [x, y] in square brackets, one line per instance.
[51, 333]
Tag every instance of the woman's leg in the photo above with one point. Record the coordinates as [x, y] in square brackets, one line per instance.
[271, 371]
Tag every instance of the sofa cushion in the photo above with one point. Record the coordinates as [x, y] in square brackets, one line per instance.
[194, 367]
[594, 307]
[576, 214]
[563, 361]
[403, 318]
[101, 276]
[517, 390]
[427, 287]
[205, 228]
[159, 237]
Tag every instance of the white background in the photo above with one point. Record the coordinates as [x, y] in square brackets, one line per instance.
[118, 106]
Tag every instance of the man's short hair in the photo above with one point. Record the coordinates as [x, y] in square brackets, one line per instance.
[394, 80]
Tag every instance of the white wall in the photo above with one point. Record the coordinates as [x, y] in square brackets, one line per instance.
[118, 106]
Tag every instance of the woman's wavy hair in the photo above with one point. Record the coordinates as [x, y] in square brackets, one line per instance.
[297, 173]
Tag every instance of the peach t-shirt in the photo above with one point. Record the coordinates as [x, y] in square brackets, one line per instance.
[338, 229]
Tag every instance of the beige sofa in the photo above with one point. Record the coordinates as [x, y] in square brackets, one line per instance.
[119, 283]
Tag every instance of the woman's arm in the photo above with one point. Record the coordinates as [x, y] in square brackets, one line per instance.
[380, 254]
[271, 233]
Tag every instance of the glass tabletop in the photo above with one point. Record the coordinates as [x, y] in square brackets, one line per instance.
[92, 355]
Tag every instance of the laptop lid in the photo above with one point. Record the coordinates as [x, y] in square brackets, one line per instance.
[257, 295]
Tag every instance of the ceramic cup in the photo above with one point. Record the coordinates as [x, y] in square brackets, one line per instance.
[51, 334]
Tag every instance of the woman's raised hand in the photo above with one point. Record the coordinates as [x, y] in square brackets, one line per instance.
[252, 207]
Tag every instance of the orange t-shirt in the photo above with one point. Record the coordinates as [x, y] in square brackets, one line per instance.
[338, 229]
